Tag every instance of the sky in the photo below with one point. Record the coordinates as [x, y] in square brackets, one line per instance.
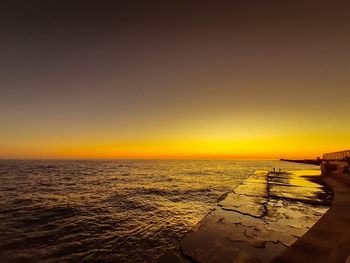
[174, 79]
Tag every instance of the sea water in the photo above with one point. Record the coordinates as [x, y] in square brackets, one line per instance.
[110, 210]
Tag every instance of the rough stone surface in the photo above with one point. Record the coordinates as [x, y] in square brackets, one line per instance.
[328, 240]
[262, 217]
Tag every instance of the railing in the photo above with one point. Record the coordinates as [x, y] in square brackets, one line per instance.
[336, 155]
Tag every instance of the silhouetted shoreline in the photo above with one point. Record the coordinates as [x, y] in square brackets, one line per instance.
[306, 161]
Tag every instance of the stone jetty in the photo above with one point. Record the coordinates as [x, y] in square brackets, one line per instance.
[258, 220]
[328, 241]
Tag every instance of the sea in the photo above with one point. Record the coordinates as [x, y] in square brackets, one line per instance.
[110, 210]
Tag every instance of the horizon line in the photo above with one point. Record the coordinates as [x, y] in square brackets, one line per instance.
[152, 158]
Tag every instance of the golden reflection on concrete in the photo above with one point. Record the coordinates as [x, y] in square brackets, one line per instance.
[263, 216]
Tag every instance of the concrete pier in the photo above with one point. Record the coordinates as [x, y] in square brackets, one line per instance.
[258, 220]
[277, 218]
[338, 169]
[328, 240]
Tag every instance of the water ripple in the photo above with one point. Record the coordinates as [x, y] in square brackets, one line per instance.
[109, 210]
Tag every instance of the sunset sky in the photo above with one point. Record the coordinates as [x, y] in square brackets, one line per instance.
[150, 79]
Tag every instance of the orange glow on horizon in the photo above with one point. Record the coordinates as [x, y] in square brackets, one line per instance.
[248, 149]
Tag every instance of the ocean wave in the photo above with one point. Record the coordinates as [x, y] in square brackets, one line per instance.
[109, 210]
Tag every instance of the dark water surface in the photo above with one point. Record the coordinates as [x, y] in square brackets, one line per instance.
[109, 210]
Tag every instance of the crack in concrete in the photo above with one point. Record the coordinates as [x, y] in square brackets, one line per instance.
[187, 257]
[221, 219]
[263, 243]
[263, 204]
[246, 214]
[240, 223]
[276, 242]
[269, 197]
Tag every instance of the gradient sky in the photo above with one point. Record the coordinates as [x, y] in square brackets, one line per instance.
[146, 79]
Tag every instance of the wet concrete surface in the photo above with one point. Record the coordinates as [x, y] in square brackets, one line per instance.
[259, 219]
[328, 241]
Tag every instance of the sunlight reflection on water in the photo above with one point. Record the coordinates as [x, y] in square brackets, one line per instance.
[110, 210]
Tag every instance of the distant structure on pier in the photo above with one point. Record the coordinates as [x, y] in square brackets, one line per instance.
[342, 155]
[337, 164]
